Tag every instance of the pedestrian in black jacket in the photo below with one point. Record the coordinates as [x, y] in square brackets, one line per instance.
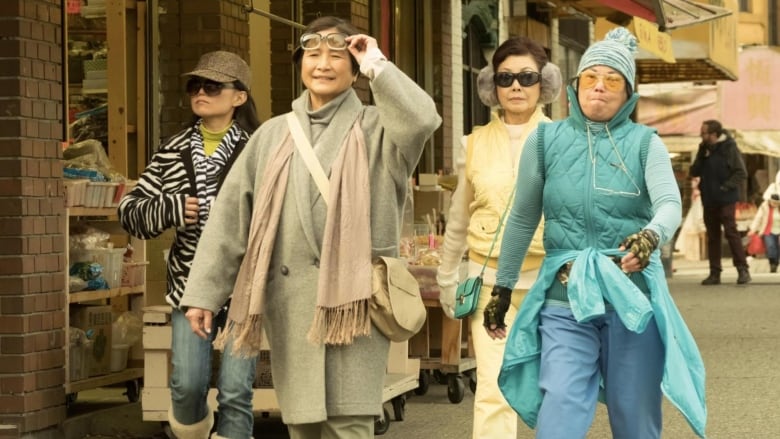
[719, 165]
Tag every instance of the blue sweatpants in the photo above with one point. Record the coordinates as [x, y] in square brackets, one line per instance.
[577, 357]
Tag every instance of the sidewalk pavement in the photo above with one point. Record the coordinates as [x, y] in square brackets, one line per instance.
[737, 328]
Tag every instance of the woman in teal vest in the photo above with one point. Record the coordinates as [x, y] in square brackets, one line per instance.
[599, 322]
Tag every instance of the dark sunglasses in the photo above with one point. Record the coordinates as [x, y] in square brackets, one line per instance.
[526, 79]
[211, 88]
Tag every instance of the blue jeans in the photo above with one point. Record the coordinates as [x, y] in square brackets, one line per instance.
[578, 357]
[191, 358]
[770, 242]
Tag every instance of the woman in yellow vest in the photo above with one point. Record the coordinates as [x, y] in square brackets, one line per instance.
[519, 81]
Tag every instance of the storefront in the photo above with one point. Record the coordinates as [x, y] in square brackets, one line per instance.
[747, 107]
[110, 70]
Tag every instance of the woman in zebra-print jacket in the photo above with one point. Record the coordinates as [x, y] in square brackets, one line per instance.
[176, 191]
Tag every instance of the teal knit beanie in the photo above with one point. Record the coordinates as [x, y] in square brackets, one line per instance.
[617, 51]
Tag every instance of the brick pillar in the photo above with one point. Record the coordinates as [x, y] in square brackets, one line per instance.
[189, 29]
[284, 39]
[32, 263]
[452, 81]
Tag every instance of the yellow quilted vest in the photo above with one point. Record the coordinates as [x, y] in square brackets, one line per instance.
[491, 171]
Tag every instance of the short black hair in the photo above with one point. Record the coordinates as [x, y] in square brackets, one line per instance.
[713, 127]
[520, 46]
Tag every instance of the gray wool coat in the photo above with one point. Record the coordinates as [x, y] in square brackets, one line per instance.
[314, 382]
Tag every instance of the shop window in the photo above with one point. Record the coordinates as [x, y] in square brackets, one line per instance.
[106, 101]
[474, 112]
[573, 36]
[87, 88]
[409, 33]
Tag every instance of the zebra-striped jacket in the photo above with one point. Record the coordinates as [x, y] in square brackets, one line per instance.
[157, 202]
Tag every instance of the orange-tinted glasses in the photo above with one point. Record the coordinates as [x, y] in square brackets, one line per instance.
[612, 81]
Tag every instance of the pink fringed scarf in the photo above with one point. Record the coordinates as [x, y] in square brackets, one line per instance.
[344, 284]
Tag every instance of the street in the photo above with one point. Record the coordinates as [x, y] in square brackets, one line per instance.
[737, 329]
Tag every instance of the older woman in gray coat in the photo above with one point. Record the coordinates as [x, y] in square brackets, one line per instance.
[298, 262]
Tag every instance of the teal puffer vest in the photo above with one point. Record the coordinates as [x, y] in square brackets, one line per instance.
[594, 193]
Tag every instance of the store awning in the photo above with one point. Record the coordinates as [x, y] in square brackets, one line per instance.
[748, 141]
[667, 14]
[758, 142]
[683, 40]
[747, 107]
[677, 109]
[681, 144]
[703, 53]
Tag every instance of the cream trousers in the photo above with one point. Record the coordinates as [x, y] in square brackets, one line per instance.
[493, 417]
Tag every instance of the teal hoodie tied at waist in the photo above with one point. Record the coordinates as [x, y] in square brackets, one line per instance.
[594, 279]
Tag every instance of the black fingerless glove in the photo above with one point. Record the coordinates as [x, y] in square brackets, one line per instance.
[642, 245]
[496, 309]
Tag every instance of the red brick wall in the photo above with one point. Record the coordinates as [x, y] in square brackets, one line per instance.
[284, 79]
[447, 109]
[188, 29]
[32, 279]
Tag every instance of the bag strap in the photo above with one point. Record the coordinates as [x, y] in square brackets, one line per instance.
[498, 230]
[307, 154]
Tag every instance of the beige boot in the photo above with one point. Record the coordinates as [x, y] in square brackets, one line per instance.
[198, 430]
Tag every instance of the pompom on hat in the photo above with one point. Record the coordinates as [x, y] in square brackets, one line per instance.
[617, 50]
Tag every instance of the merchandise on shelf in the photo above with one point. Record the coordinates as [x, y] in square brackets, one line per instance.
[110, 259]
[96, 322]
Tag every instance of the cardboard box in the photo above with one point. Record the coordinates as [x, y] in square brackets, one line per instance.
[133, 273]
[428, 180]
[96, 321]
[263, 377]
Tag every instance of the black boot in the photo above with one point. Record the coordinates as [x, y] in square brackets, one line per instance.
[773, 266]
[743, 276]
[712, 279]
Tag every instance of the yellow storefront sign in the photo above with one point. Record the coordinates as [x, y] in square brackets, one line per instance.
[723, 42]
[651, 39]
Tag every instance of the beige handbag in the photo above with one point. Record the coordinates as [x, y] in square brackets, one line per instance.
[396, 308]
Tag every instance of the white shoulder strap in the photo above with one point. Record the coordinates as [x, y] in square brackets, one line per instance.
[307, 154]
